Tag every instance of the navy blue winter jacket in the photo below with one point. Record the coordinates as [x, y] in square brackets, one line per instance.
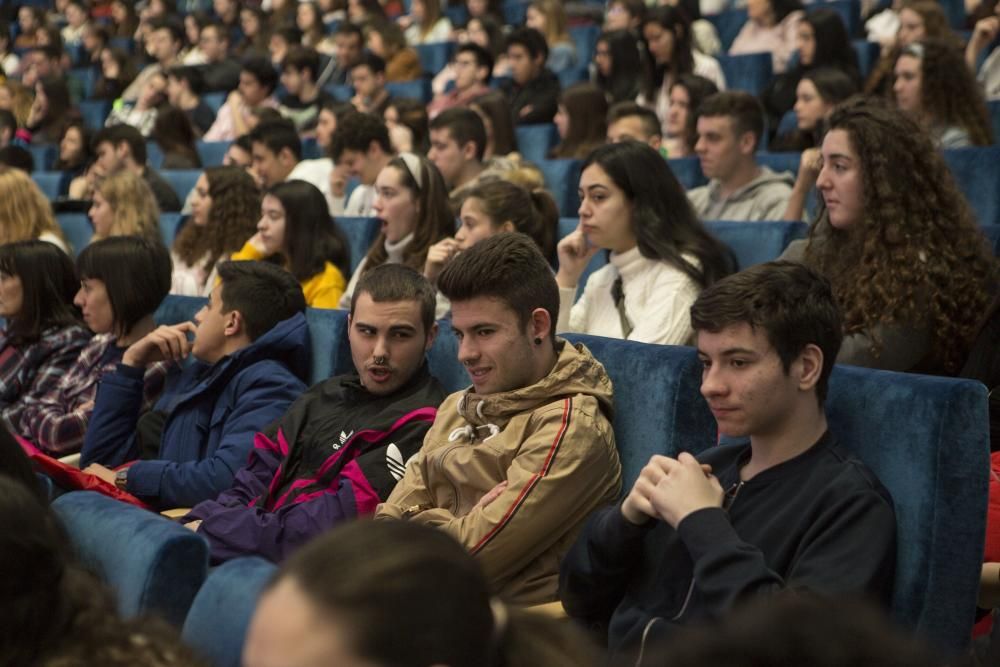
[211, 415]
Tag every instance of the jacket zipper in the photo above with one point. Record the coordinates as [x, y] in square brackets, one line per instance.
[727, 503]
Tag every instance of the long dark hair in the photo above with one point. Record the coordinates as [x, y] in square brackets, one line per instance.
[495, 106]
[587, 108]
[60, 110]
[665, 226]
[48, 284]
[232, 218]
[311, 238]
[682, 62]
[833, 44]
[623, 83]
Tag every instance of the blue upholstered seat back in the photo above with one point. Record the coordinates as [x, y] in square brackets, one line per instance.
[757, 242]
[331, 353]
[151, 563]
[926, 439]
[217, 624]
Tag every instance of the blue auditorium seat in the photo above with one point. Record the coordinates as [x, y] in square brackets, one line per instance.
[214, 101]
[212, 153]
[175, 309]
[169, 224]
[310, 149]
[687, 170]
[360, 233]
[757, 242]
[457, 14]
[418, 89]
[562, 178]
[94, 113]
[77, 228]
[126, 44]
[154, 155]
[535, 141]
[49, 182]
[868, 54]
[728, 25]
[217, 624]
[977, 173]
[435, 56]
[331, 354]
[992, 233]
[181, 180]
[515, 11]
[750, 72]
[151, 563]
[789, 122]
[341, 93]
[585, 40]
[87, 76]
[43, 155]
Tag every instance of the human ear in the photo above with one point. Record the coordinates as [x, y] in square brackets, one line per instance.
[234, 323]
[431, 335]
[540, 326]
[809, 366]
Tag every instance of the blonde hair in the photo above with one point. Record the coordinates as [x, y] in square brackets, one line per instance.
[21, 99]
[555, 20]
[133, 205]
[25, 213]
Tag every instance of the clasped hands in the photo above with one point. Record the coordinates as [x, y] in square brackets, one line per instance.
[671, 489]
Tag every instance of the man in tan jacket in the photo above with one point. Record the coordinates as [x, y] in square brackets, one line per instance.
[513, 465]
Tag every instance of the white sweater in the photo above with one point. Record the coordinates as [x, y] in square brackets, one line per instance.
[395, 256]
[658, 297]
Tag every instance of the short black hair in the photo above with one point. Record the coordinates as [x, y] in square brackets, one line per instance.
[745, 111]
[289, 33]
[219, 27]
[348, 28]
[17, 157]
[398, 282]
[171, 25]
[371, 61]
[302, 58]
[508, 267]
[532, 40]
[135, 272]
[263, 293]
[793, 304]
[194, 78]
[465, 125]
[356, 132]
[650, 122]
[262, 70]
[49, 284]
[119, 134]
[483, 57]
[276, 135]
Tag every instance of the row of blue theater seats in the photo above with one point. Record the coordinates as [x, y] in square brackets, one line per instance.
[926, 438]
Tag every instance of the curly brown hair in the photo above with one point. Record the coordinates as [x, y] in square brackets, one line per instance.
[949, 92]
[232, 218]
[917, 256]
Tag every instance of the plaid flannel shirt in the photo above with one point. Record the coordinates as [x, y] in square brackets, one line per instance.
[32, 370]
[57, 422]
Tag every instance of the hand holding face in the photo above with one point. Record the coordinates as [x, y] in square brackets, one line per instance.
[574, 253]
[165, 343]
[438, 255]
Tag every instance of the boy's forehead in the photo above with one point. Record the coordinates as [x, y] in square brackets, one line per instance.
[736, 336]
[404, 312]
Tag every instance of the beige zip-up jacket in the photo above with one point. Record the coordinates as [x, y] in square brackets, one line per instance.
[553, 444]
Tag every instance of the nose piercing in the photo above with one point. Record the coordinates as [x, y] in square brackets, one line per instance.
[380, 360]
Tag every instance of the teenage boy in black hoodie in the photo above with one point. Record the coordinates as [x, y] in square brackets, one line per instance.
[789, 510]
[533, 90]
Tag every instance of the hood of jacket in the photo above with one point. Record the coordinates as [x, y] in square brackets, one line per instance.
[576, 371]
[287, 342]
[765, 179]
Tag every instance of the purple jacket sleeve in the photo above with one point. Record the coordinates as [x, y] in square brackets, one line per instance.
[251, 481]
[242, 530]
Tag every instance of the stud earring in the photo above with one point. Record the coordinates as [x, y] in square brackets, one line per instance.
[538, 341]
